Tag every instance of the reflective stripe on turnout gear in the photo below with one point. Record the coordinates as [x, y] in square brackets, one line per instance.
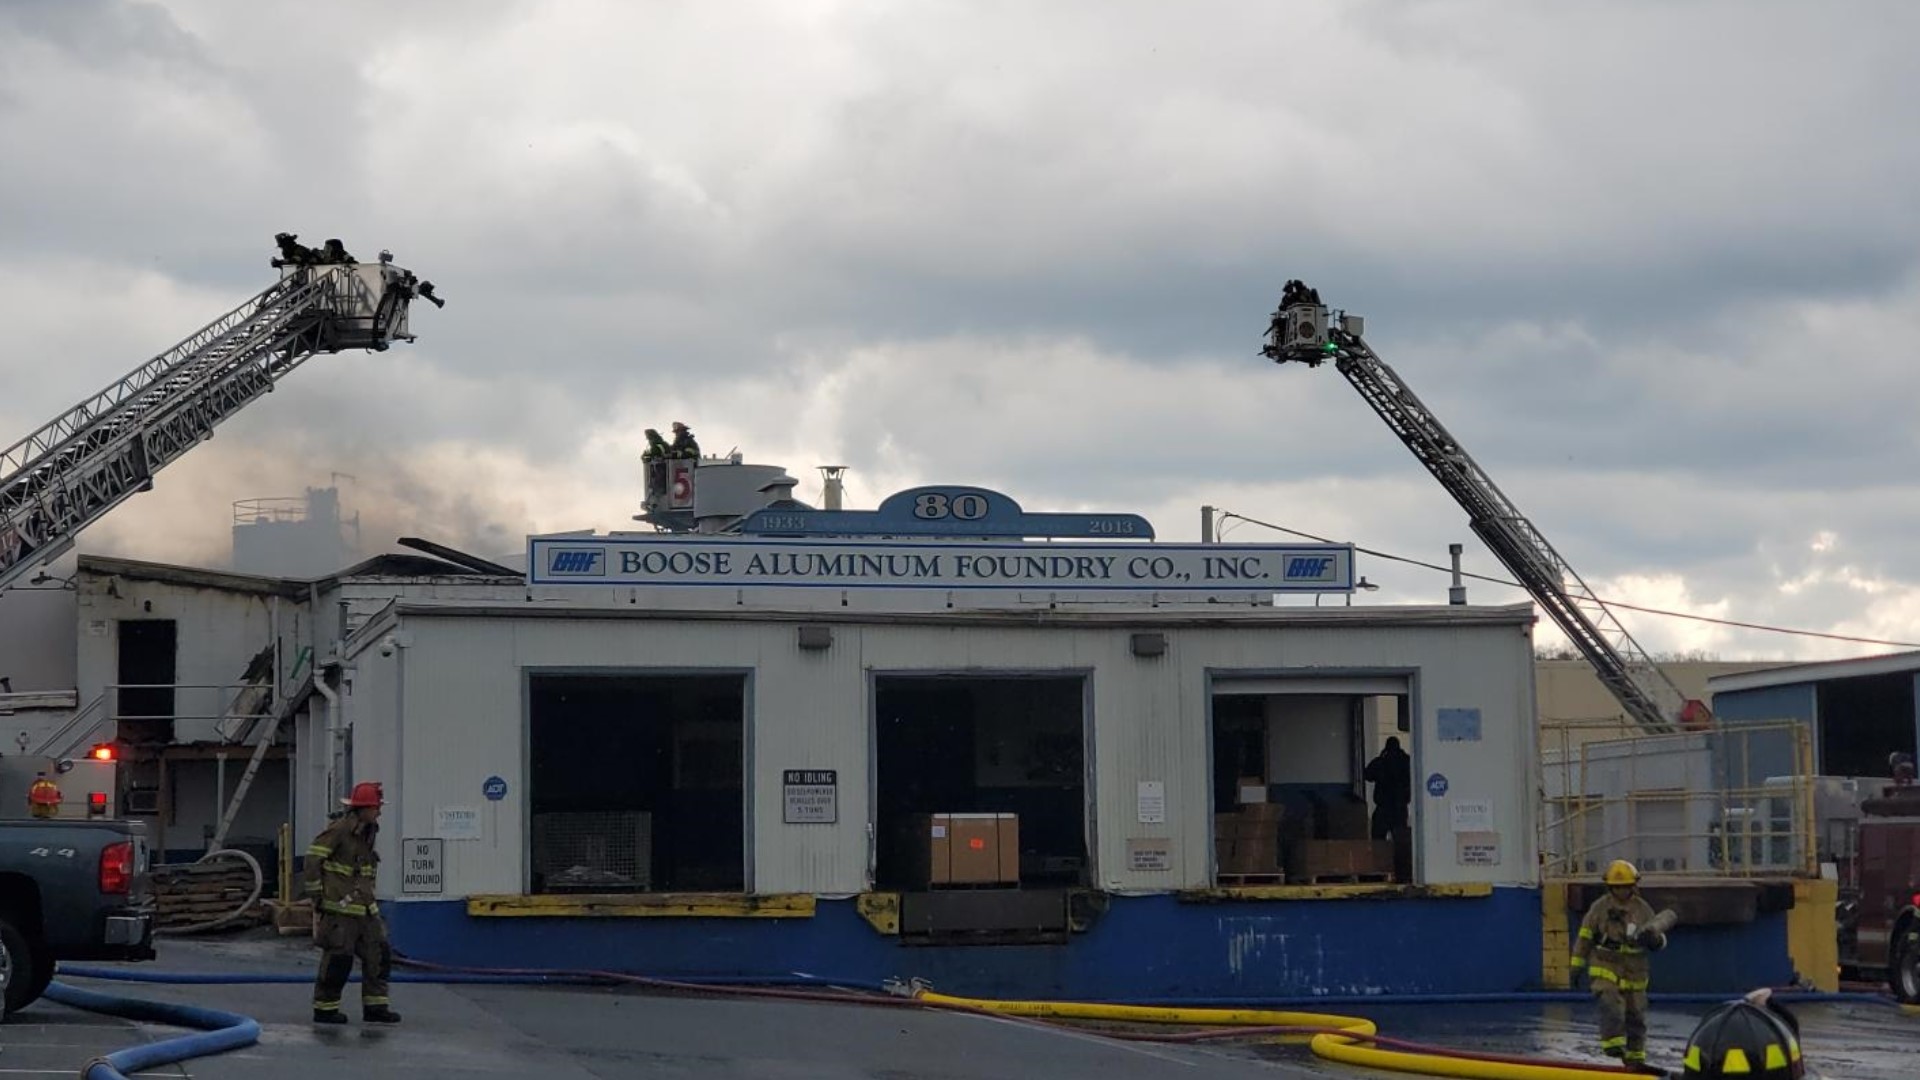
[1609, 975]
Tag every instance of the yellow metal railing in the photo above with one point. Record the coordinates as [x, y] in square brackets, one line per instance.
[1726, 801]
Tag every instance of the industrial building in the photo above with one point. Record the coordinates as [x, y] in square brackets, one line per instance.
[1861, 711]
[948, 738]
[797, 776]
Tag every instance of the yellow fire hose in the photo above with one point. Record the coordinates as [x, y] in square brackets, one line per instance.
[1349, 1040]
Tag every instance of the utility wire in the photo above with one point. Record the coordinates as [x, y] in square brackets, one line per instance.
[1608, 603]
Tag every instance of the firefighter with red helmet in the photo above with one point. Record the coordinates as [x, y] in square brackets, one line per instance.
[1616, 935]
[339, 879]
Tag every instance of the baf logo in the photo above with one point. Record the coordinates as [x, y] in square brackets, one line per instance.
[578, 561]
[1311, 568]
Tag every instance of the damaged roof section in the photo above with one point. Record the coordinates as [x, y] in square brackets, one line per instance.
[438, 562]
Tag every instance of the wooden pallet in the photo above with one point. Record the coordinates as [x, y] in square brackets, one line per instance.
[1253, 879]
[193, 893]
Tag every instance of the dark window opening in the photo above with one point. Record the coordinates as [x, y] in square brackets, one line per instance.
[981, 746]
[1864, 720]
[1311, 788]
[637, 783]
[148, 649]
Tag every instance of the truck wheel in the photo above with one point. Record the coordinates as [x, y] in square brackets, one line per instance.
[17, 970]
[1903, 975]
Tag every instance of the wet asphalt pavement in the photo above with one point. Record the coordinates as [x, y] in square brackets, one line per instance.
[1843, 1041]
[579, 1033]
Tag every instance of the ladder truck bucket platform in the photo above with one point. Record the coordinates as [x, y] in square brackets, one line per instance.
[76, 468]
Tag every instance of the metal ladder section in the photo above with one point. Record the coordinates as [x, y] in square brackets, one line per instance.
[71, 472]
[281, 714]
[1648, 695]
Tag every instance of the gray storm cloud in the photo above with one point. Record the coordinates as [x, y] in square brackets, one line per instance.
[1652, 263]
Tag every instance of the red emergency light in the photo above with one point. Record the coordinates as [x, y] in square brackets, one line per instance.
[96, 802]
[102, 752]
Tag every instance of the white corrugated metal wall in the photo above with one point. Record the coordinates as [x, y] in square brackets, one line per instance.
[464, 690]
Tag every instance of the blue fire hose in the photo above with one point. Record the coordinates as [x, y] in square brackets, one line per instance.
[223, 1031]
[219, 1031]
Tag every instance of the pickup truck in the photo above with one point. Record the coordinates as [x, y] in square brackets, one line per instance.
[69, 890]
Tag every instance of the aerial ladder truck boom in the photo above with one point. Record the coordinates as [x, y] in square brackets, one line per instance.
[1304, 330]
[79, 466]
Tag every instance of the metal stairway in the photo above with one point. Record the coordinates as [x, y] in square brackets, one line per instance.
[1305, 332]
[72, 471]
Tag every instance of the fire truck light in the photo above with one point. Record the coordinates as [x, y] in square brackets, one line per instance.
[96, 802]
[102, 752]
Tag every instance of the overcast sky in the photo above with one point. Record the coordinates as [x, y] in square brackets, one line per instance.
[1653, 263]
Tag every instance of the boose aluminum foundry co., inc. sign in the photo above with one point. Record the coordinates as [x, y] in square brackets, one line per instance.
[866, 550]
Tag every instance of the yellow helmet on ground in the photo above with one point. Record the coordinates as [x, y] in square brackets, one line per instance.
[1622, 872]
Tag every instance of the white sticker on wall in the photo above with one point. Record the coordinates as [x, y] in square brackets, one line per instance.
[939, 832]
[1151, 802]
[1473, 815]
[457, 823]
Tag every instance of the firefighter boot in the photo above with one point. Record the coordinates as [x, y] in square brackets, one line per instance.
[329, 1016]
[379, 1014]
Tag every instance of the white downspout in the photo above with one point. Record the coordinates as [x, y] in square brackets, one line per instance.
[320, 678]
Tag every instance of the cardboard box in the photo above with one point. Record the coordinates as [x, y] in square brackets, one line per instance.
[1348, 820]
[971, 849]
[1247, 841]
[1308, 860]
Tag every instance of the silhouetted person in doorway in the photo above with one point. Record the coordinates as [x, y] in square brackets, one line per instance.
[1391, 775]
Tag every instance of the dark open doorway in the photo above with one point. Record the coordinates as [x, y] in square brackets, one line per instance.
[1863, 721]
[637, 783]
[149, 652]
[982, 745]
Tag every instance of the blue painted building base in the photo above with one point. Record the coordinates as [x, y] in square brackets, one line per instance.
[1727, 959]
[1141, 948]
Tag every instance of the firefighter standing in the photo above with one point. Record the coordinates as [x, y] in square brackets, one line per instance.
[339, 877]
[1620, 929]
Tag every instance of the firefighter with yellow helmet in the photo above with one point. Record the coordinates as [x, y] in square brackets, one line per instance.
[1615, 938]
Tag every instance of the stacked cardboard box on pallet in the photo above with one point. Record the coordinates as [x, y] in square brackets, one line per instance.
[1343, 853]
[1247, 841]
[1316, 860]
